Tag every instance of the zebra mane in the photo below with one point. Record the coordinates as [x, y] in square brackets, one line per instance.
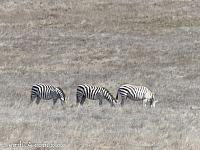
[108, 92]
[61, 91]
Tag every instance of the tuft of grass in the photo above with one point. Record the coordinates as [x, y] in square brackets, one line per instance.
[104, 43]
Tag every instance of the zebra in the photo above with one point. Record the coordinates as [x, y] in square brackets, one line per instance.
[136, 93]
[47, 92]
[94, 93]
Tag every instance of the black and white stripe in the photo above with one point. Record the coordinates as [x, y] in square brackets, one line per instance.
[136, 93]
[47, 92]
[95, 93]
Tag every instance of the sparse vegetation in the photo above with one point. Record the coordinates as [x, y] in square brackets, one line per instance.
[154, 43]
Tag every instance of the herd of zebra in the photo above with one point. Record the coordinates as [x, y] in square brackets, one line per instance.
[137, 93]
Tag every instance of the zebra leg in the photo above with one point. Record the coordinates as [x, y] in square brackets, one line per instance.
[100, 102]
[54, 101]
[122, 101]
[145, 102]
[32, 99]
[82, 100]
[78, 99]
[38, 100]
[112, 104]
[62, 102]
[153, 105]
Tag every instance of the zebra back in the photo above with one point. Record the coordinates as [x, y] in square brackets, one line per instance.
[42, 90]
[135, 91]
[92, 91]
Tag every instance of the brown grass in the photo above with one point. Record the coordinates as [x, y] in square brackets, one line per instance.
[107, 43]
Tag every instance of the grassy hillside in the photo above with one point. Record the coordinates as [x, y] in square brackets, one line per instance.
[154, 43]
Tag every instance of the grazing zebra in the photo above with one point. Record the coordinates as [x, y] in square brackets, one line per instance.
[136, 93]
[47, 92]
[95, 93]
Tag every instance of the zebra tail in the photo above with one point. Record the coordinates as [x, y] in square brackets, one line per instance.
[31, 95]
[77, 99]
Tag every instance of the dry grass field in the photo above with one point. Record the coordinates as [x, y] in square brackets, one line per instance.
[155, 43]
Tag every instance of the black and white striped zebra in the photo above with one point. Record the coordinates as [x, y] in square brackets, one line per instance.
[47, 92]
[94, 93]
[136, 93]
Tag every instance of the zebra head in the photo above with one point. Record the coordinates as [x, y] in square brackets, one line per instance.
[61, 94]
[153, 101]
[110, 97]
